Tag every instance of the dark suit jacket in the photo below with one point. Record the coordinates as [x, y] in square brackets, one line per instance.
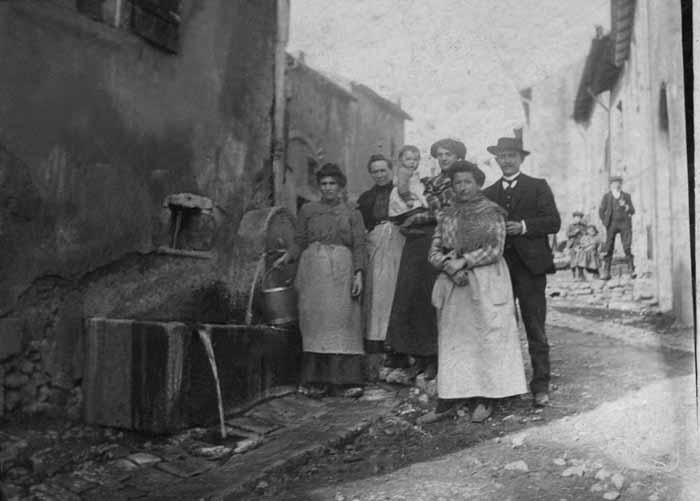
[605, 211]
[532, 202]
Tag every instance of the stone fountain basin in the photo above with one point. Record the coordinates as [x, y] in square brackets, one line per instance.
[155, 377]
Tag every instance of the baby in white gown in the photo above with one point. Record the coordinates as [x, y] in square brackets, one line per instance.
[408, 195]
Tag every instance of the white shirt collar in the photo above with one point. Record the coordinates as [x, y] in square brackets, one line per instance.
[510, 181]
[615, 193]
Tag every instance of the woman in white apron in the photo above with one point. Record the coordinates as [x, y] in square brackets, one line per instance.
[384, 246]
[330, 246]
[478, 343]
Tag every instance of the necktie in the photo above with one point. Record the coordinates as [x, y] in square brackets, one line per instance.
[509, 184]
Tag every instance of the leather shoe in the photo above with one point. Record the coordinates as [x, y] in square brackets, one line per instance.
[481, 413]
[541, 399]
[434, 416]
[430, 371]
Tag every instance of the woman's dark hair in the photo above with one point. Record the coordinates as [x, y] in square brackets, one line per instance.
[408, 147]
[594, 228]
[456, 147]
[334, 171]
[379, 158]
[466, 166]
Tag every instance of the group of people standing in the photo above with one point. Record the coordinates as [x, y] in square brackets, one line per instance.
[426, 271]
[585, 246]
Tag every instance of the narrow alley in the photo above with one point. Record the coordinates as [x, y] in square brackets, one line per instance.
[332, 250]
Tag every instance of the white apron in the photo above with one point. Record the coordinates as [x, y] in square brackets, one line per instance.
[479, 352]
[384, 246]
[330, 319]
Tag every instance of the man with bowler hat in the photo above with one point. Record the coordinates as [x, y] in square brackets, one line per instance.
[532, 216]
[615, 213]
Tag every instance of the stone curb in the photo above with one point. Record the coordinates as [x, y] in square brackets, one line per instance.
[342, 437]
[627, 333]
[285, 448]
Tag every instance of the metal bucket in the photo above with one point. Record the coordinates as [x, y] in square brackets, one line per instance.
[279, 305]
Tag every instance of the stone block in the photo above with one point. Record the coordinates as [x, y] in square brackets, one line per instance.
[187, 467]
[623, 305]
[133, 374]
[11, 331]
[12, 400]
[143, 458]
[643, 290]
[15, 380]
[156, 377]
[188, 201]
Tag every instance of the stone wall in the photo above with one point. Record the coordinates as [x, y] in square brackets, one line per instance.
[97, 127]
[649, 150]
[331, 119]
[637, 130]
[26, 382]
[570, 156]
[378, 130]
[321, 116]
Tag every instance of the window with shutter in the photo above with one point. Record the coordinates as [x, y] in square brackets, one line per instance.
[157, 21]
[91, 8]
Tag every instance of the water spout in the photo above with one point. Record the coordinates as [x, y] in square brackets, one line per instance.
[205, 336]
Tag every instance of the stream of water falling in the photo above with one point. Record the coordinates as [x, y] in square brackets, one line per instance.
[205, 336]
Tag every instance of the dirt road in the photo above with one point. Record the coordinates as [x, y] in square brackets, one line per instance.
[622, 425]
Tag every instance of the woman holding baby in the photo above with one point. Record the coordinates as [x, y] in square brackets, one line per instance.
[412, 328]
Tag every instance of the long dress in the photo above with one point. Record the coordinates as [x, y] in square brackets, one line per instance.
[413, 325]
[574, 233]
[478, 343]
[384, 246]
[588, 253]
[330, 240]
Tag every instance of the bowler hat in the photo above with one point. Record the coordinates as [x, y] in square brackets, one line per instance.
[508, 144]
[453, 145]
[615, 178]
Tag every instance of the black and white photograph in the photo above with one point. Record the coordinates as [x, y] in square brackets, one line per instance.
[349, 250]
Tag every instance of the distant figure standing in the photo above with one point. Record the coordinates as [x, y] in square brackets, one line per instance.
[532, 216]
[574, 233]
[616, 211]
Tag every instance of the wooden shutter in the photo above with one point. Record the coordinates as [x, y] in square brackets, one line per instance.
[157, 21]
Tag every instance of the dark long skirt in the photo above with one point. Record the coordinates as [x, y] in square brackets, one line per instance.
[413, 323]
[331, 368]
